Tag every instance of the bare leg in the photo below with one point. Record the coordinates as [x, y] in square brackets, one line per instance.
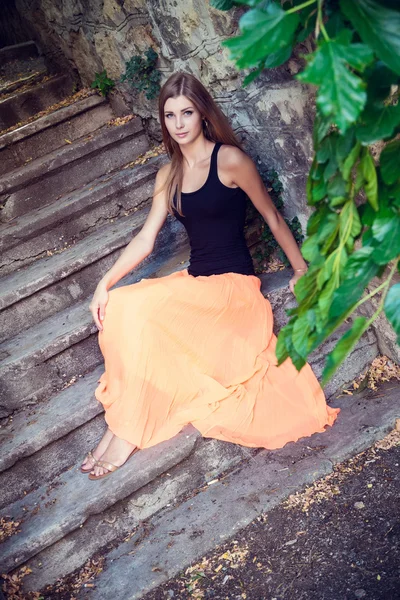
[100, 449]
[116, 453]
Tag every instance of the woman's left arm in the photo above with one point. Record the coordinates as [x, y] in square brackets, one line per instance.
[244, 174]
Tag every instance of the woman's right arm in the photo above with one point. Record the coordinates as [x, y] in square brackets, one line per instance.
[137, 250]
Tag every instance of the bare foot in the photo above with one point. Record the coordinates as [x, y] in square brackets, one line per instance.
[99, 451]
[117, 453]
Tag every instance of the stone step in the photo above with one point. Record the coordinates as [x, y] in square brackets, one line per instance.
[22, 51]
[24, 104]
[49, 513]
[58, 281]
[210, 460]
[50, 132]
[46, 179]
[57, 225]
[14, 84]
[32, 429]
[42, 467]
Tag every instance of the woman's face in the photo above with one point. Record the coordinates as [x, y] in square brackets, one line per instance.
[182, 119]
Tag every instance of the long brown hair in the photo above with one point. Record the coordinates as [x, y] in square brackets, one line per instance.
[217, 128]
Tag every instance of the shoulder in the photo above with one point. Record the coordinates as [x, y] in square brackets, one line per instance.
[232, 157]
[161, 179]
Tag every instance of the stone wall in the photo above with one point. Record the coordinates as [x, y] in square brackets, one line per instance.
[273, 116]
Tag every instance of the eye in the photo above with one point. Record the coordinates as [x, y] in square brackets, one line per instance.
[168, 115]
[188, 112]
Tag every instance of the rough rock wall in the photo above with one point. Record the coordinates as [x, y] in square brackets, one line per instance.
[272, 116]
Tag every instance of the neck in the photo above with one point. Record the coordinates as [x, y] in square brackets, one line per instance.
[197, 151]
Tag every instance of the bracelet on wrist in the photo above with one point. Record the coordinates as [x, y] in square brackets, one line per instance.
[300, 270]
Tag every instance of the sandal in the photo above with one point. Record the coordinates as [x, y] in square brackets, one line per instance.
[92, 460]
[109, 466]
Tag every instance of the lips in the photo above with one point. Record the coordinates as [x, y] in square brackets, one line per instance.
[182, 134]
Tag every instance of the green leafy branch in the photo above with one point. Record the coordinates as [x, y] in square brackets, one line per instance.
[354, 231]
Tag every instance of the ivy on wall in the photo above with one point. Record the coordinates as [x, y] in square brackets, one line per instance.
[354, 231]
[142, 73]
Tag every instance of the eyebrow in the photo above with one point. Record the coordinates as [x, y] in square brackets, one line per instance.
[183, 110]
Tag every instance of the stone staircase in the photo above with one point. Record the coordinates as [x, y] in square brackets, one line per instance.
[72, 198]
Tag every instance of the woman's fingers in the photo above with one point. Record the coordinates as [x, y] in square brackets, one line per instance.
[102, 312]
[94, 309]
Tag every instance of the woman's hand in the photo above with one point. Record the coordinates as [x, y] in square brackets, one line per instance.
[295, 279]
[98, 305]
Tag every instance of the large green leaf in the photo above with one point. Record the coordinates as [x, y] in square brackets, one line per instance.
[350, 161]
[390, 162]
[341, 95]
[386, 232]
[350, 224]
[222, 4]
[276, 59]
[310, 249]
[343, 347]
[285, 347]
[336, 260]
[264, 32]
[377, 123]
[392, 308]
[301, 336]
[358, 272]
[326, 297]
[379, 82]
[378, 26]
[305, 286]
[366, 170]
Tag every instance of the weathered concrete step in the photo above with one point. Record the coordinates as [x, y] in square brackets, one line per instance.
[25, 104]
[72, 498]
[45, 179]
[34, 428]
[59, 224]
[56, 282]
[41, 468]
[27, 79]
[209, 460]
[41, 359]
[21, 51]
[177, 537]
[53, 283]
[51, 131]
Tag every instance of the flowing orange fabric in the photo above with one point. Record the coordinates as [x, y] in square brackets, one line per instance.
[182, 349]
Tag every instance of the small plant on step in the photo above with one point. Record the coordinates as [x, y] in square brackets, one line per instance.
[142, 73]
[103, 83]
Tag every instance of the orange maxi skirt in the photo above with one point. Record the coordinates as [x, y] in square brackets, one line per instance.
[182, 349]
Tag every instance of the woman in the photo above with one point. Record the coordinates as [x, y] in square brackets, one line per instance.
[197, 346]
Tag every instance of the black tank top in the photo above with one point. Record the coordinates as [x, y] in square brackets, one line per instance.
[214, 217]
